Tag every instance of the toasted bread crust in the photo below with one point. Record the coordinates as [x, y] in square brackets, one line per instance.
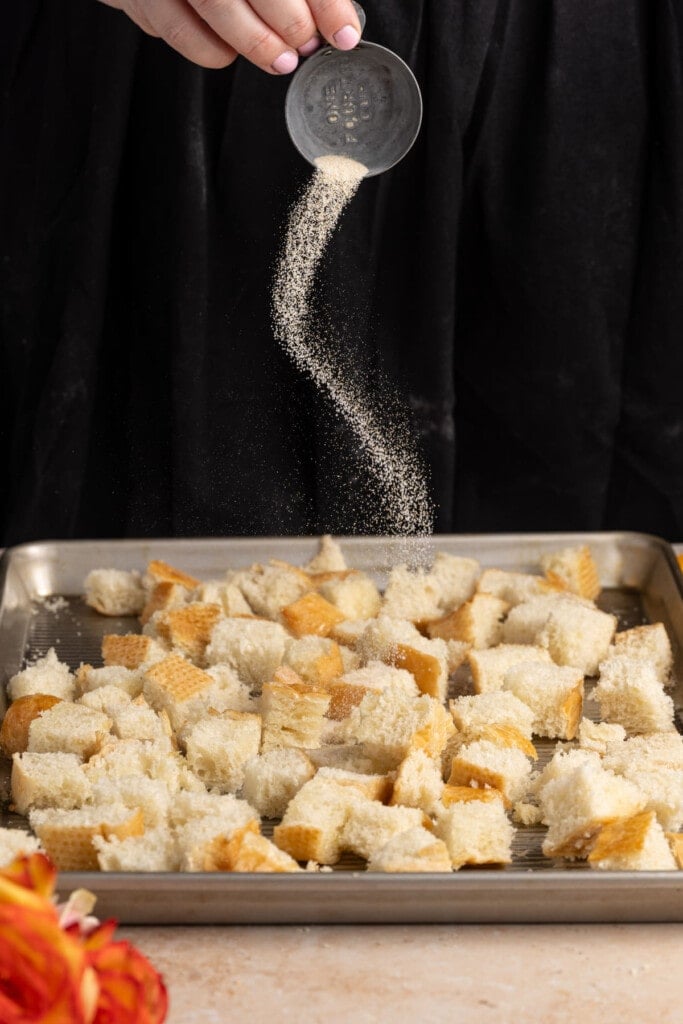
[17, 721]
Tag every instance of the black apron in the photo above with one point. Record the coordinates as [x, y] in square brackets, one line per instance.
[518, 278]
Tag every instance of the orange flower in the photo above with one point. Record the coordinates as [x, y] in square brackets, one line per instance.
[52, 974]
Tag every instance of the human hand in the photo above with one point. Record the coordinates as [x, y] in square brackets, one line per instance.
[272, 34]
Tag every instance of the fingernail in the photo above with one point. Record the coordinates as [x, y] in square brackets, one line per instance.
[285, 63]
[346, 38]
[310, 47]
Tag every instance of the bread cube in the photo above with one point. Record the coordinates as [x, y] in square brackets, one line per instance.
[114, 592]
[370, 825]
[269, 589]
[356, 595]
[676, 845]
[471, 714]
[525, 622]
[649, 643]
[663, 791]
[172, 684]
[455, 579]
[188, 629]
[16, 842]
[414, 596]
[573, 569]
[578, 636]
[478, 622]
[418, 783]
[130, 650]
[159, 571]
[155, 850]
[218, 747]
[67, 835]
[513, 587]
[107, 699]
[152, 796]
[489, 666]
[18, 718]
[315, 659]
[630, 694]
[135, 721]
[476, 832]
[414, 850]
[553, 692]
[312, 826]
[293, 715]
[48, 780]
[632, 844]
[311, 615]
[563, 761]
[48, 675]
[398, 643]
[390, 725]
[253, 648]
[329, 557]
[69, 729]
[246, 850]
[654, 750]
[163, 598]
[576, 804]
[487, 765]
[128, 680]
[377, 675]
[224, 593]
[272, 779]
[599, 735]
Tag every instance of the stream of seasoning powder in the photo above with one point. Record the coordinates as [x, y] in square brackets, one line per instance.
[403, 504]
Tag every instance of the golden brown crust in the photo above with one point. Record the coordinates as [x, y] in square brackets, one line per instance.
[71, 846]
[189, 628]
[162, 572]
[465, 774]
[311, 615]
[128, 651]
[302, 842]
[17, 721]
[161, 598]
[344, 698]
[579, 575]
[676, 844]
[572, 709]
[180, 679]
[507, 736]
[579, 842]
[622, 838]
[465, 794]
[425, 668]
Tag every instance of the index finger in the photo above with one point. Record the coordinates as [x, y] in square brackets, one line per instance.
[337, 21]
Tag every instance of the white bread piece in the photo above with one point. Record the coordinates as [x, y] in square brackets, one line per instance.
[663, 790]
[17, 721]
[457, 651]
[293, 715]
[114, 592]
[228, 692]
[188, 630]
[564, 761]
[47, 675]
[650, 643]
[70, 729]
[173, 685]
[133, 791]
[224, 593]
[272, 779]
[138, 722]
[455, 579]
[377, 675]
[391, 725]
[164, 597]
[413, 595]
[485, 765]
[476, 832]
[397, 642]
[313, 823]
[599, 735]
[478, 622]
[351, 757]
[349, 632]
[418, 783]
[17, 842]
[632, 844]
[253, 648]
[527, 814]
[315, 659]
[67, 836]
[131, 650]
[218, 747]
[154, 760]
[630, 694]
[129, 680]
[525, 622]
[270, 588]
[414, 850]
[245, 850]
[48, 780]
[578, 636]
[200, 818]
[371, 786]
[553, 692]
[471, 714]
[107, 699]
[653, 750]
[329, 557]
[156, 850]
[488, 666]
[513, 587]
[574, 569]
[578, 803]
[370, 825]
[356, 595]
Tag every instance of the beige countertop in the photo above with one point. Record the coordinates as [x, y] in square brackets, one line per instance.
[551, 974]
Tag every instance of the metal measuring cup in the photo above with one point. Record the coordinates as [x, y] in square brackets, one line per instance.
[363, 103]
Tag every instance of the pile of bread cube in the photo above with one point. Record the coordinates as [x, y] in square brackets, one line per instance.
[283, 717]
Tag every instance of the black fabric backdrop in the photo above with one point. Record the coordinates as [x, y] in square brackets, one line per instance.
[518, 276]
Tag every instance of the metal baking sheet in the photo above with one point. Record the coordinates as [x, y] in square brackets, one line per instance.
[41, 606]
